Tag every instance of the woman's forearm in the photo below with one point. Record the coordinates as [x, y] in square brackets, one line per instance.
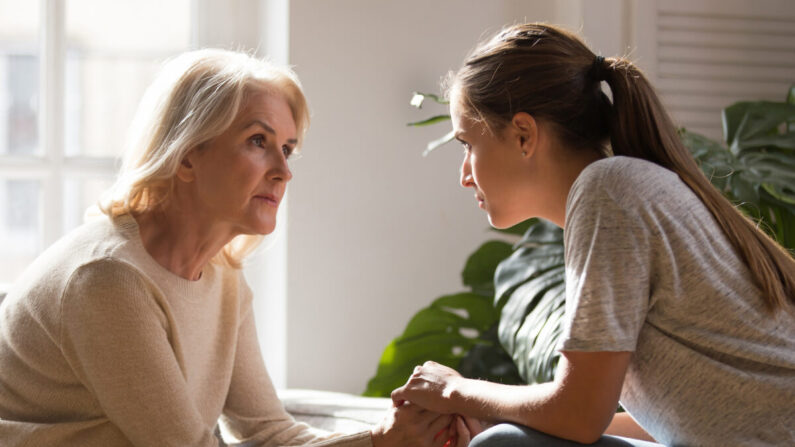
[544, 407]
[496, 402]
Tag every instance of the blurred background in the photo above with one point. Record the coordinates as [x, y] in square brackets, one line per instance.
[371, 231]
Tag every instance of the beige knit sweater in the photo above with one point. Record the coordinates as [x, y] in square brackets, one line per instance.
[102, 346]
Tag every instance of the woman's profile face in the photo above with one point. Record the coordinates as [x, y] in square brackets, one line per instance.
[240, 176]
[491, 167]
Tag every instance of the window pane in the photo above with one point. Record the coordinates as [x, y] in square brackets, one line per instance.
[20, 219]
[113, 51]
[79, 195]
[19, 77]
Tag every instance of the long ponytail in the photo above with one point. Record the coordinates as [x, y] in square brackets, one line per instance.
[560, 82]
[640, 127]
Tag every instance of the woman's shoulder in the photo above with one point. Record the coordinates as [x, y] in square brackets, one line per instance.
[625, 171]
[93, 244]
[628, 180]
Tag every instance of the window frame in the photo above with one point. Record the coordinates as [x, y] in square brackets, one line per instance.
[51, 166]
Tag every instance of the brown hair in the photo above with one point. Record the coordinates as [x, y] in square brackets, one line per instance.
[551, 74]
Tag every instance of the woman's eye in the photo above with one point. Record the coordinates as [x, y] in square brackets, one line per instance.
[258, 140]
[466, 146]
[287, 151]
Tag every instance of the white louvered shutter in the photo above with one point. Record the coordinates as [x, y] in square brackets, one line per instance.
[704, 55]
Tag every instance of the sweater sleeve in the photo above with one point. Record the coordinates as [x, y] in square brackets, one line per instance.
[254, 415]
[114, 336]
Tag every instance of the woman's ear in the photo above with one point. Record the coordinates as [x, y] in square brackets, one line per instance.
[526, 129]
[185, 172]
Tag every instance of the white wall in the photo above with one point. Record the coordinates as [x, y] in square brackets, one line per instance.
[375, 230]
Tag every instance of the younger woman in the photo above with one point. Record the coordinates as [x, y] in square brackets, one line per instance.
[675, 302]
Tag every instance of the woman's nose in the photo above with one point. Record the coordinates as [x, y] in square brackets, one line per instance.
[281, 172]
[466, 173]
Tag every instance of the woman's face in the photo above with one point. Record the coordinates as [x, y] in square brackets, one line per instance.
[239, 177]
[493, 167]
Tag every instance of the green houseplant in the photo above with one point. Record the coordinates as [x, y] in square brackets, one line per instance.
[506, 326]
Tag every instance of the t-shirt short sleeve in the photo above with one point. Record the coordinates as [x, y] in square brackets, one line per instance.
[608, 263]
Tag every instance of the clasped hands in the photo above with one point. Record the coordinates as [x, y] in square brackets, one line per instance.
[424, 413]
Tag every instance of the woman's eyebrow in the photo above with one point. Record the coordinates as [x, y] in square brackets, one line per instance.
[268, 129]
[262, 124]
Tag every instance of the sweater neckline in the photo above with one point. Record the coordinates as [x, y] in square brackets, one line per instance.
[129, 227]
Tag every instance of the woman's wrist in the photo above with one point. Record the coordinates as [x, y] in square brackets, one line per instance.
[458, 395]
[376, 435]
[483, 400]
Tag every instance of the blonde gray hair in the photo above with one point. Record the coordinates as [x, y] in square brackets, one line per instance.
[195, 97]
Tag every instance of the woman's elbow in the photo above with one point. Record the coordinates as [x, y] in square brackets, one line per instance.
[589, 426]
[585, 435]
[578, 429]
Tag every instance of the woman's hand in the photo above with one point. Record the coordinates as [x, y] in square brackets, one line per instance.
[473, 426]
[466, 428]
[431, 386]
[410, 425]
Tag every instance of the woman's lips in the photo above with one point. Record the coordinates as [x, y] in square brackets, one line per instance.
[269, 199]
[481, 201]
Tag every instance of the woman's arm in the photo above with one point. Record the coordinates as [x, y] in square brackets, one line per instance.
[624, 425]
[578, 405]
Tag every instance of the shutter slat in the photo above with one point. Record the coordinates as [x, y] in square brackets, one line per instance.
[776, 10]
[725, 72]
[721, 39]
[700, 102]
[672, 21]
[749, 89]
[689, 53]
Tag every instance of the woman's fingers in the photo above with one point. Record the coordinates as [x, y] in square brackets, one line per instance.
[446, 440]
[441, 423]
[473, 425]
[463, 435]
[398, 396]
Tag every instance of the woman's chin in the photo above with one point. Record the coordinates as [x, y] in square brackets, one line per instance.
[262, 228]
[497, 225]
[501, 223]
[267, 231]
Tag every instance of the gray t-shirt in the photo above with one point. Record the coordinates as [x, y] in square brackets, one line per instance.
[649, 270]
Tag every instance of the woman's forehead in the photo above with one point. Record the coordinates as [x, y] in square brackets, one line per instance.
[267, 107]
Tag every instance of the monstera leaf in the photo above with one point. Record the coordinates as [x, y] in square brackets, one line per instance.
[761, 183]
[755, 125]
[530, 290]
[757, 170]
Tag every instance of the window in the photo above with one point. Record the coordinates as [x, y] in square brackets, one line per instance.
[71, 75]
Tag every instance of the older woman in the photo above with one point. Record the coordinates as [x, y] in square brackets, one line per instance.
[137, 328]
